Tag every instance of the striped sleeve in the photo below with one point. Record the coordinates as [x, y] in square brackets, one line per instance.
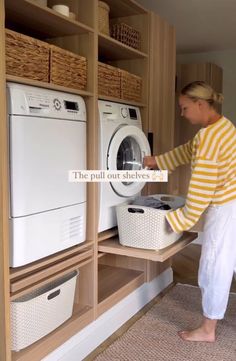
[178, 156]
[200, 193]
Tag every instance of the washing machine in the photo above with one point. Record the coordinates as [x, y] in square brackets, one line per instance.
[122, 146]
[47, 138]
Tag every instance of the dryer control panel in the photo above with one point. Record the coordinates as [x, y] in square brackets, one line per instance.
[34, 101]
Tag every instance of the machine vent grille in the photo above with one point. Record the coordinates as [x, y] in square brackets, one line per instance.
[73, 228]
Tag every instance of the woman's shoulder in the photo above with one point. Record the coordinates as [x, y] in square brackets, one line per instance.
[220, 126]
[209, 139]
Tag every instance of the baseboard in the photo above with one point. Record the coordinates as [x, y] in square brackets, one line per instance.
[84, 342]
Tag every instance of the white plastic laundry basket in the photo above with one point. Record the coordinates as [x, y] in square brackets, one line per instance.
[145, 227]
[41, 311]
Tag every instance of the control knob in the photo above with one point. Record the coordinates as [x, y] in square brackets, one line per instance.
[124, 112]
[57, 104]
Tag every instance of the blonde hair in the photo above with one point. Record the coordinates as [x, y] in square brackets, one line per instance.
[201, 90]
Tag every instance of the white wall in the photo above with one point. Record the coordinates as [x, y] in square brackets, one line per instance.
[227, 61]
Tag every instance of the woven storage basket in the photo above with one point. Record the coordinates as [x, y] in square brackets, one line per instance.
[26, 57]
[127, 35]
[145, 227]
[130, 86]
[67, 69]
[103, 17]
[108, 80]
[41, 311]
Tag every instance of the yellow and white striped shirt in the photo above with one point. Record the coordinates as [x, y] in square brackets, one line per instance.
[212, 153]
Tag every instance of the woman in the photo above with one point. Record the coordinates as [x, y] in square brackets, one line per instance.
[212, 154]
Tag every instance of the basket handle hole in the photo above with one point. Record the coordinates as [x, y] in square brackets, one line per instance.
[135, 210]
[54, 294]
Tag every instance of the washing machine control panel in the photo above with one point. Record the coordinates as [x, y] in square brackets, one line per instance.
[58, 104]
[129, 112]
[116, 113]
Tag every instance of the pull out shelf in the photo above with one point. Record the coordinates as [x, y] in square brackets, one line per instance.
[114, 247]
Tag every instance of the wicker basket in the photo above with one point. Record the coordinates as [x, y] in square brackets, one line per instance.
[103, 17]
[145, 227]
[130, 86]
[26, 57]
[108, 80]
[127, 35]
[38, 313]
[67, 69]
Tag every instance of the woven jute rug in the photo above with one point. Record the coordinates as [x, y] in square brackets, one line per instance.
[154, 335]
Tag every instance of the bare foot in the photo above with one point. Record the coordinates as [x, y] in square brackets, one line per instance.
[197, 335]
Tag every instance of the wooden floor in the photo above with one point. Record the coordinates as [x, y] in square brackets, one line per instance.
[185, 268]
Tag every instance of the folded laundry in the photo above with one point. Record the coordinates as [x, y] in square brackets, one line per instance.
[150, 202]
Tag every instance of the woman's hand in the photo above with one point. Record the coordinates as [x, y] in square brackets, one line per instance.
[149, 162]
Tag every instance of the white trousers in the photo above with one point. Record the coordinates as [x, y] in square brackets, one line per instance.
[218, 259]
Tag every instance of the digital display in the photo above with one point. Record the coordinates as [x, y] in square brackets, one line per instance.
[71, 105]
[132, 113]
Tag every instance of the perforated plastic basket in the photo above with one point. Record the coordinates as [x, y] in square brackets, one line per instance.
[41, 311]
[145, 227]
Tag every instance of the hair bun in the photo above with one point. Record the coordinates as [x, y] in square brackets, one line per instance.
[218, 97]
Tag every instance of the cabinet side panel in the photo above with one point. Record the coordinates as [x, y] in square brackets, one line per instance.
[4, 265]
[162, 90]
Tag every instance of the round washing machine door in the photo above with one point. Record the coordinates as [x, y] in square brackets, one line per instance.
[127, 148]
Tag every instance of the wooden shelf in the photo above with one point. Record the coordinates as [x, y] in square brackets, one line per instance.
[114, 283]
[111, 49]
[16, 273]
[38, 279]
[45, 23]
[114, 247]
[82, 316]
[107, 234]
[124, 8]
[41, 84]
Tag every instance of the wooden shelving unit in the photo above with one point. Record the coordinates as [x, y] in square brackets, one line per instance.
[114, 283]
[107, 271]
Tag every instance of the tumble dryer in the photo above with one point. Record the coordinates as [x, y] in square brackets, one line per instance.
[47, 138]
[122, 147]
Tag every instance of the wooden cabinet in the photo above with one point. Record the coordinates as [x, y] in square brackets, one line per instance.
[108, 271]
[158, 119]
[184, 131]
[161, 92]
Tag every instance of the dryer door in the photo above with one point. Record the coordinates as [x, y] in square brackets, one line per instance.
[127, 148]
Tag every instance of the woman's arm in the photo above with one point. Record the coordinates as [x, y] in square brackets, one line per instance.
[172, 159]
[178, 156]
